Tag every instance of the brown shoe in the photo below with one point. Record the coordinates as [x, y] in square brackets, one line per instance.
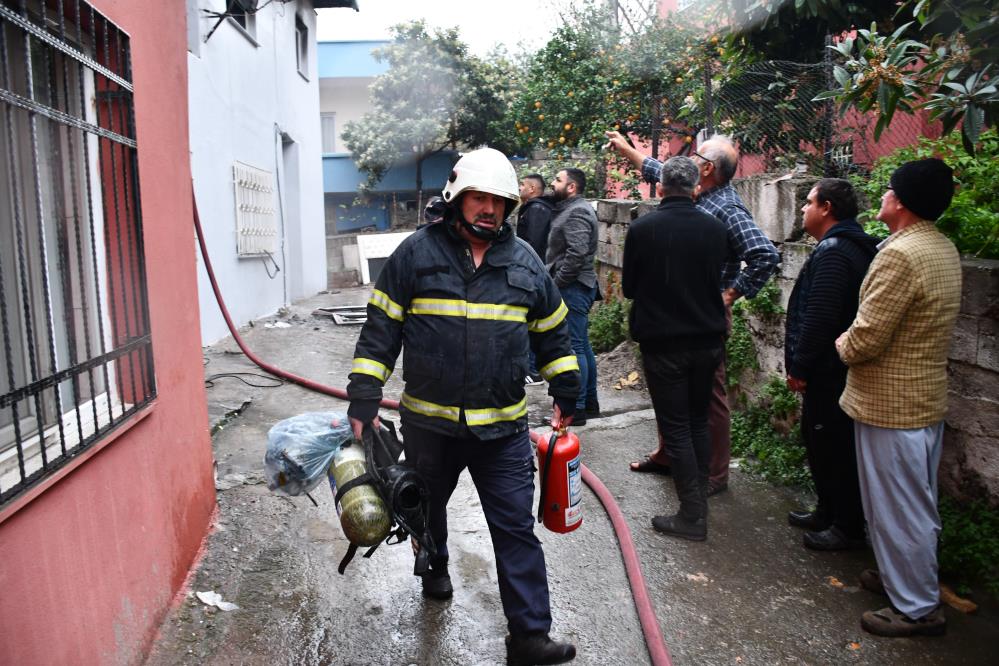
[870, 580]
[892, 623]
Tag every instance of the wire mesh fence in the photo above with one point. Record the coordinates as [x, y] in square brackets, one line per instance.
[768, 108]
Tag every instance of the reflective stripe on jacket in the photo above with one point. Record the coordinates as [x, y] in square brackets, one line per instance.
[464, 334]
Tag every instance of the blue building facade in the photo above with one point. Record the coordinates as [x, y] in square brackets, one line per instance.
[346, 69]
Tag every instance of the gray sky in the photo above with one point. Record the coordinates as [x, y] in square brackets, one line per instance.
[482, 24]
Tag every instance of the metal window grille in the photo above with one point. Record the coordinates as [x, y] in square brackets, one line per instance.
[77, 354]
[256, 227]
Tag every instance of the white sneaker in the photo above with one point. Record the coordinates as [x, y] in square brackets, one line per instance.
[533, 381]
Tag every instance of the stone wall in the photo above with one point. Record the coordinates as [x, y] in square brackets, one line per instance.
[970, 466]
[342, 261]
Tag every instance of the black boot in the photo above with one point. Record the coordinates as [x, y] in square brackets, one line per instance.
[437, 583]
[592, 408]
[677, 525]
[529, 649]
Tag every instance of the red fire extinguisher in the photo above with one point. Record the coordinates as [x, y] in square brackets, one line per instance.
[561, 482]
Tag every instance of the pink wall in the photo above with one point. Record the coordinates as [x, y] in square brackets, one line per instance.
[90, 564]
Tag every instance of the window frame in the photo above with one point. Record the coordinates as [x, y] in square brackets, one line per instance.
[71, 171]
[302, 51]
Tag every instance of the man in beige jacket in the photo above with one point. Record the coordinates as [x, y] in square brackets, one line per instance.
[896, 392]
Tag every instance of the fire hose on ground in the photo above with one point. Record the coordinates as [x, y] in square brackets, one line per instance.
[654, 639]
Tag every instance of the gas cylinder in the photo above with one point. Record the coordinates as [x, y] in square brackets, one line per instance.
[561, 482]
[363, 516]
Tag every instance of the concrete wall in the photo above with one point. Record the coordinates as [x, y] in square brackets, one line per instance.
[249, 103]
[970, 466]
[93, 556]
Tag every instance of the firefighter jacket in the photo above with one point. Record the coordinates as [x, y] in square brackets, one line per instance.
[465, 333]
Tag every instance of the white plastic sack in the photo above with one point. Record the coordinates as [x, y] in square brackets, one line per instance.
[300, 450]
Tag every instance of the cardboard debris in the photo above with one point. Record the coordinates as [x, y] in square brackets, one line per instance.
[630, 380]
[949, 597]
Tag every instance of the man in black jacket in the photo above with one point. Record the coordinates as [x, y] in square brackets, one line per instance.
[673, 260]
[534, 218]
[463, 299]
[823, 304]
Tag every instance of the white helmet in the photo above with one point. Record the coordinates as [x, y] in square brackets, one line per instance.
[485, 170]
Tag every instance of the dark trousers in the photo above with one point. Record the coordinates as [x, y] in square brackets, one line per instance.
[503, 473]
[579, 299]
[719, 427]
[832, 456]
[680, 386]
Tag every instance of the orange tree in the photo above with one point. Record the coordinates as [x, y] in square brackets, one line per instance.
[590, 78]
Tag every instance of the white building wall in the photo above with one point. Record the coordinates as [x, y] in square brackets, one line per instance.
[348, 98]
[249, 103]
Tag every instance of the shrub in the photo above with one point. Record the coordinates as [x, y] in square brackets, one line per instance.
[766, 303]
[740, 350]
[761, 436]
[609, 324]
[972, 221]
[969, 544]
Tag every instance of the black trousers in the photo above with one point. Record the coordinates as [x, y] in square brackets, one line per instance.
[832, 456]
[503, 473]
[680, 386]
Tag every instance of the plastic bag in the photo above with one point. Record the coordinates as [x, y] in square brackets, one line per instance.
[300, 450]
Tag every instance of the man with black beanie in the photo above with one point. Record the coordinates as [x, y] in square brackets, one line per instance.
[896, 392]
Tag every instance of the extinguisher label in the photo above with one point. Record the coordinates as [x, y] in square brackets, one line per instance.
[574, 512]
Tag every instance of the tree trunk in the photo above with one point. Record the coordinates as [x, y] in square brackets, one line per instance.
[419, 189]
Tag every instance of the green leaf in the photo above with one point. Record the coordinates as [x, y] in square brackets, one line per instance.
[889, 110]
[841, 75]
[879, 126]
[895, 35]
[974, 118]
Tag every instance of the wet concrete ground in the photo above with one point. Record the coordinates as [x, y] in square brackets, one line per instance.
[750, 594]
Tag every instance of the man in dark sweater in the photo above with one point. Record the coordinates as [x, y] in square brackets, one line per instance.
[673, 260]
[534, 220]
[824, 303]
[534, 217]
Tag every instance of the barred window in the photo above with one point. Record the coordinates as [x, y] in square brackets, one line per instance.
[77, 355]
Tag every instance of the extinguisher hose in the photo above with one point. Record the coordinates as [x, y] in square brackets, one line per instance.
[544, 474]
[646, 612]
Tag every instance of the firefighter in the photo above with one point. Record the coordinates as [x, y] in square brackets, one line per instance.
[465, 300]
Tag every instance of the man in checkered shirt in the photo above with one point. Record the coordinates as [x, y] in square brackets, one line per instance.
[896, 393]
[717, 159]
